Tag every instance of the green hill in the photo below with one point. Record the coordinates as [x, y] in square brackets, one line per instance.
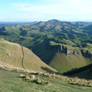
[15, 56]
[63, 57]
[64, 63]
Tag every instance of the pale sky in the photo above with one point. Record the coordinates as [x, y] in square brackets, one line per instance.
[40, 10]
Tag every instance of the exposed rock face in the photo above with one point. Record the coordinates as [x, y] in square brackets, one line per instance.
[73, 51]
[69, 51]
[77, 52]
[86, 53]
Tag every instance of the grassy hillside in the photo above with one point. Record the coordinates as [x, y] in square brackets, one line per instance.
[10, 82]
[13, 55]
[64, 63]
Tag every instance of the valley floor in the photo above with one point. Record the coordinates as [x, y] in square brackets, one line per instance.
[11, 82]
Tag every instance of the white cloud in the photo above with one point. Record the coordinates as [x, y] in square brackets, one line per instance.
[72, 6]
[80, 9]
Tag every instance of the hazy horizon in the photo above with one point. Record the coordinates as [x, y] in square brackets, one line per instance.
[44, 21]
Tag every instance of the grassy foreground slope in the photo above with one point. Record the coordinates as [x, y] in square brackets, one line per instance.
[10, 82]
[13, 55]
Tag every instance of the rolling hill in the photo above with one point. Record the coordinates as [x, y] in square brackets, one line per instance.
[45, 39]
[15, 56]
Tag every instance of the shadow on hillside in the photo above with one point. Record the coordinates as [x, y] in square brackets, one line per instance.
[84, 75]
[46, 51]
[48, 70]
[2, 69]
[84, 72]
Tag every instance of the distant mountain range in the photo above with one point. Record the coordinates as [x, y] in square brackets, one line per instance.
[16, 23]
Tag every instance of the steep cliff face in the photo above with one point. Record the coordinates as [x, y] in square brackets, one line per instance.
[68, 50]
[73, 51]
[86, 53]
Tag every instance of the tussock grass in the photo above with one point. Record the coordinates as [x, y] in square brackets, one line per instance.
[15, 56]
[11, 82]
